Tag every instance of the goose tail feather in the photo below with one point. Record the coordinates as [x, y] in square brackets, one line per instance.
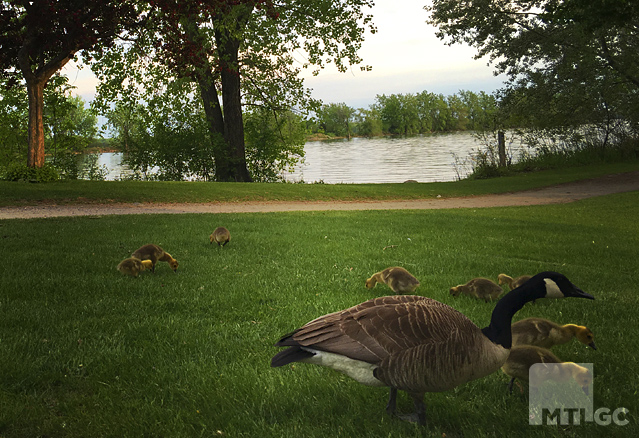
[292, 354]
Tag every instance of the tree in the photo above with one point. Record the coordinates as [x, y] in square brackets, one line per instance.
[399, 113]
[571, 62]
[274, 142]
[369, 123]
[39, 37]
[336, 118]
[241, 50]
[68, 125]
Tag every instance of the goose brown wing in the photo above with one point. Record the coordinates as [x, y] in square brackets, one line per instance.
[379, 328]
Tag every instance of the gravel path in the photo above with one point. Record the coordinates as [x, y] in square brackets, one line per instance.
[563, 193]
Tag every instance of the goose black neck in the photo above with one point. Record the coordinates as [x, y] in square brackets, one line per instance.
[499, 329]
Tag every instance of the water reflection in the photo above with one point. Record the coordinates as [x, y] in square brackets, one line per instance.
[427, 158]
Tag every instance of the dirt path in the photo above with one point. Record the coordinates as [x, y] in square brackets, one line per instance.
[563, 193]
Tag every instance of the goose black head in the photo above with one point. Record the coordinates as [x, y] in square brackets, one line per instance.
[558, 286]
[546, 284]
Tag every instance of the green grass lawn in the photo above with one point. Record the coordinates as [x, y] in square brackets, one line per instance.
[24, 193]
[87, 352]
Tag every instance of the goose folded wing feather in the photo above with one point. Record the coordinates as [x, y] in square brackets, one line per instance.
[378, 328]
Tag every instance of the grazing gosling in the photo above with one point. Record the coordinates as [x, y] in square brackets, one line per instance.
[546, 334]
[415, 344]
[133, 266]
[481, 288]
[513, 282]
[522, 357]
[221, 236]
[397, 278]
[154, 253]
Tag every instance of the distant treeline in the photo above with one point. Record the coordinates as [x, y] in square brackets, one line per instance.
[407, 114]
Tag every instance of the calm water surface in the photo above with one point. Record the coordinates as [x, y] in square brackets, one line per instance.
[425, 158]
[384, 160]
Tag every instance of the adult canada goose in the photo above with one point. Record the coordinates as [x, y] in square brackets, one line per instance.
[513, 283]
[522, 357]
[415, 343]
[155, 253]
[221, 236]
[133, 266]
[544, 333]
[481, 288]
[397, 278]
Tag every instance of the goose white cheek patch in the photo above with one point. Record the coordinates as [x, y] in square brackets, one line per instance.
[552, 290]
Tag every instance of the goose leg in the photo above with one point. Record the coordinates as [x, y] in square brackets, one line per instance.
[510, 385]
[419, 416]
[392, 401]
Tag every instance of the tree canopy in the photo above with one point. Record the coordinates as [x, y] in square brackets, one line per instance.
[570, 62]
[38, 37]
[232, 54]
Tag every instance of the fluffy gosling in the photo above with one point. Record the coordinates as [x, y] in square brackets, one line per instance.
[546, 334]
[513, 283]
[154, 253]
[480, 288]
[133, 266]
[221, 236]
[397, 278]
[522, 357]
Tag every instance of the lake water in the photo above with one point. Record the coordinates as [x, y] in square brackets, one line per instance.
[426, 158]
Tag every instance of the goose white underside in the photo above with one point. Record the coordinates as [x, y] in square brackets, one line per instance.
[355, 369]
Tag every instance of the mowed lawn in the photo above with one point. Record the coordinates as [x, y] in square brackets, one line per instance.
[87, 352]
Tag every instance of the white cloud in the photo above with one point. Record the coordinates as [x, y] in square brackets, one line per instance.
[406, 57]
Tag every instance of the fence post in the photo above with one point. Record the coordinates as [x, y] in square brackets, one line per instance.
[501, 145]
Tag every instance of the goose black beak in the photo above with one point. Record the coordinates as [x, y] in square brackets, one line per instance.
[585, 390]
[578, 293]
[592, 345]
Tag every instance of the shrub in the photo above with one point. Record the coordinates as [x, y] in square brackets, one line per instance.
[22, 172]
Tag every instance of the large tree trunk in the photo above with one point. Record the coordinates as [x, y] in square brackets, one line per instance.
[36, 81]
[35, 91]
[232, 104]
[215, 122]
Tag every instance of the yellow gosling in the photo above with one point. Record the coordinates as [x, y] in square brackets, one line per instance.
[154, 253]
[397, 278]
[522, 357]
[545, 333]
[133, 266]
[513, 282]
[480, 288]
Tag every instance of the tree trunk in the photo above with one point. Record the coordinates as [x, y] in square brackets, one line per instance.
[232, 105]
[215, 122]
[36, 81]
[35, 91]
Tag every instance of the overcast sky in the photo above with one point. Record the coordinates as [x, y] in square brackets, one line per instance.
[405, 55]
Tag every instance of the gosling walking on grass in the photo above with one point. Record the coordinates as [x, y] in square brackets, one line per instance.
[155, 253]
[480, 288]
[221, 236]
[133, 266]
[523, 357]
[513, 283]
[397, 278]
[545, 333]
